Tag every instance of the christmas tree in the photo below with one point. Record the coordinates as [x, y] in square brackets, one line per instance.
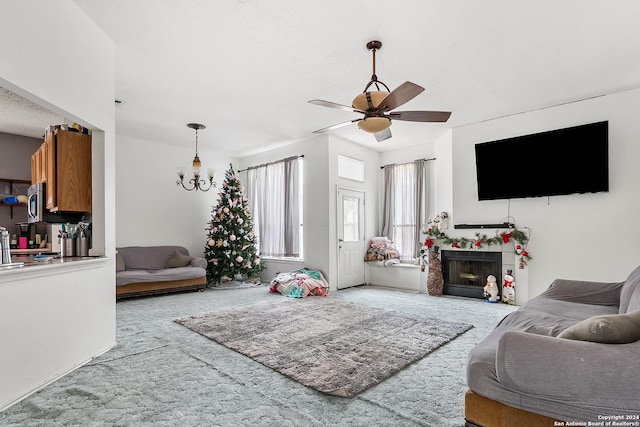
[231, 249]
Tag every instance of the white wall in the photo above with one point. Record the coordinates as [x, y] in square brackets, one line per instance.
[588, 236]
[151, 208]
[52, 323]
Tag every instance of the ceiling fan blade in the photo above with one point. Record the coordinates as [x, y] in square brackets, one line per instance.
[403, 93]
[420, 116]
[339, 125]
[335, 105]
[383, 134]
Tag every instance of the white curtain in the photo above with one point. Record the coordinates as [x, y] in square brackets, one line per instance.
[404, 209]
[273, 192]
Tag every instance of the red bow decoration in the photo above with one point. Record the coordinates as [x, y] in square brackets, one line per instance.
[428, 243]
[506, 237]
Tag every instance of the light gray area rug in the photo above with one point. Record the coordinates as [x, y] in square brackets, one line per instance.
[333, 346]
[161, 374]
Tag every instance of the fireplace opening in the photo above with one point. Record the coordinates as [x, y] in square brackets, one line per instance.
[465, 272]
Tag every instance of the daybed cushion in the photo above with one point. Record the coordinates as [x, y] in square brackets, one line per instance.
[608, 329]
[166, 274]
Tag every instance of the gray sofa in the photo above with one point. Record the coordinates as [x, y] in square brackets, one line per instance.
[147, 270]
[553, 359]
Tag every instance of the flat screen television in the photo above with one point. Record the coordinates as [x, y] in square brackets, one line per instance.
[557, 162]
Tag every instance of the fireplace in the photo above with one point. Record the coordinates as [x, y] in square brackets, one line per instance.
[465, 272]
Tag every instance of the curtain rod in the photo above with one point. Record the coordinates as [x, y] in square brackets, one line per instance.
[426, 160]
[271, 163]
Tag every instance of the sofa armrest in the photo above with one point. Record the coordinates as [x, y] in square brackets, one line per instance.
[562, 369]
[198, 262]
[599, 293]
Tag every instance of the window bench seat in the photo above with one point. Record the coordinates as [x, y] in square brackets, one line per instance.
[393, 275]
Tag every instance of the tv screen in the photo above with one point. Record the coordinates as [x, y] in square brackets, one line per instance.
[558, 162]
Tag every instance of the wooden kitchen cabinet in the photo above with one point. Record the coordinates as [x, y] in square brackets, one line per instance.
[38, 165]
[67, 164]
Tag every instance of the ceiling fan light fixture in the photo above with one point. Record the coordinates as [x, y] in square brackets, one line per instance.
[377, 106]
[374, 124]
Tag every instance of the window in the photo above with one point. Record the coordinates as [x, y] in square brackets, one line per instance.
[404, 211]
[274, 192]
[350, 168]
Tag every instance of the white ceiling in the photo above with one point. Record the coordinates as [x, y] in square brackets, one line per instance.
[246, 68]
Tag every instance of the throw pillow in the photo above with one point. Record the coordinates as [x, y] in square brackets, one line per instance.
[178, 260]
[119, 263]
[608, 329]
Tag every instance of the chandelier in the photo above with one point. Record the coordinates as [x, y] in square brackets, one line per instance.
[196, 182]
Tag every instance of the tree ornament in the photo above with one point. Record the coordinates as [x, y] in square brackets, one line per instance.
[506, 237]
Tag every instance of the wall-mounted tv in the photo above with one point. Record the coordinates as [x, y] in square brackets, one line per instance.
[557, 162]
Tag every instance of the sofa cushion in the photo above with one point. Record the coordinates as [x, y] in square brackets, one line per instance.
[608, 329]
[631, 285]
[178, 260]
[167, 274]
[120, 266]
[148, 257]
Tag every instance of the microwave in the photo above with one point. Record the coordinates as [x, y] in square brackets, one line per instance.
[36, 202]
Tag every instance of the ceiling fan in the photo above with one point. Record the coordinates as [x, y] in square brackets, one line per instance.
[377, 105]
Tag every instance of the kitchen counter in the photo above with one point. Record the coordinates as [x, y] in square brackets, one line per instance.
[31, 266]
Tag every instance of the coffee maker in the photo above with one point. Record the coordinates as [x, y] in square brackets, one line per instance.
[26, 235]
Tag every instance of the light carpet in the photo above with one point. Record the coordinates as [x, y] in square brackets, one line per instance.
[332, 346]
[161, 374]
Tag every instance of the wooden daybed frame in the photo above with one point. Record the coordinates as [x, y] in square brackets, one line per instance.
[480, 411]
[138, 289]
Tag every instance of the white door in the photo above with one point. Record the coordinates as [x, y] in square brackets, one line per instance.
[350, 238]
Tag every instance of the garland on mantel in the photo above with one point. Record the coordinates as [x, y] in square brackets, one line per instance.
[518, 238]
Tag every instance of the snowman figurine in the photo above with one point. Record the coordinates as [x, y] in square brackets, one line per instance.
[491, 289]
[509, 289]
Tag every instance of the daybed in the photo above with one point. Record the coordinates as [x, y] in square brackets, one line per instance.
[569, 354]
[147, 270]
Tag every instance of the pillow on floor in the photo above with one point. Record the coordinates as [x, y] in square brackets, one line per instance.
[178, 260]
[608, 329]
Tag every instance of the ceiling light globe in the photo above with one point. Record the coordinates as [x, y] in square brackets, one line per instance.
[196, 165]
[374, 124]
